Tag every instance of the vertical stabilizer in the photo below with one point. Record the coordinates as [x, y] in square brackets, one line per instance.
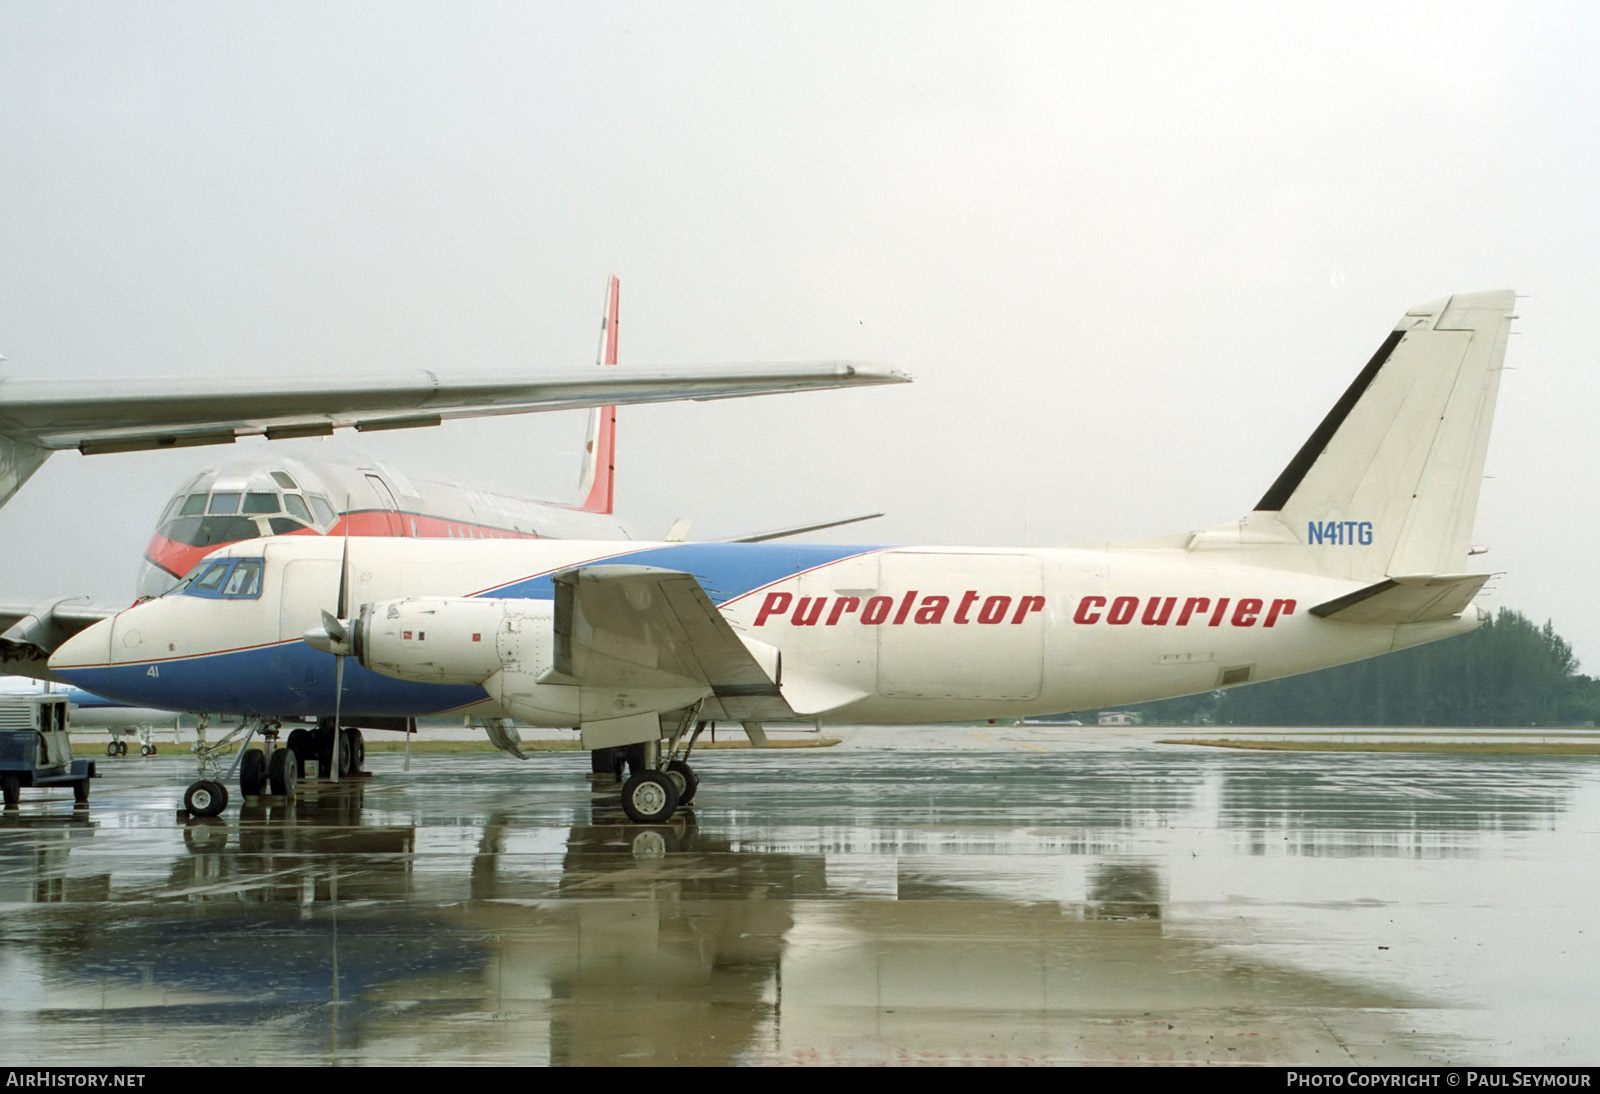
[596, 490]
[1388, 484]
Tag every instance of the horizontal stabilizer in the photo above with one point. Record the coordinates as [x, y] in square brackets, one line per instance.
[646, 629]
[1424, 598]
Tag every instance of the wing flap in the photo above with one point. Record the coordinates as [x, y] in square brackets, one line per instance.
[1422, 598]
[642, 628]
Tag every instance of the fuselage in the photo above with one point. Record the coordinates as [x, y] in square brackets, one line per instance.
[866, 634]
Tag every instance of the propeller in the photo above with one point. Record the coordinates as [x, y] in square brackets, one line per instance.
[335, 637]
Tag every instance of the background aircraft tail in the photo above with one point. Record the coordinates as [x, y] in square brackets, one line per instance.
[1388, 483]
[596, 489]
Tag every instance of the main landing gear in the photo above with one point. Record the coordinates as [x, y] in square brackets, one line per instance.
[660, 779]
[271, 769]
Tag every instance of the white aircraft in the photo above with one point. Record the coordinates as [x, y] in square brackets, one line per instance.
[1356, 549]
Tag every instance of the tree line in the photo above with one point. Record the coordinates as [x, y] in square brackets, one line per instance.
[1508, 672]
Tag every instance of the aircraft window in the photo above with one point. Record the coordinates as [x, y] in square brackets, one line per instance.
[246, 580]
[193, 505]
[261, 503]
[282, 526]
[209, 581]
[297, 507]
[224, 503]
[282, 479]
[209, 531]
[320, 506]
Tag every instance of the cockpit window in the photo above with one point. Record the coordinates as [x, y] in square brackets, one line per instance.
[224, 503]
[245, 581]
[223, 579]
[320, 506]
[297, 507]
[193, 505]
[282, 479]
[211, 580]
[261, 503]
[209, 531]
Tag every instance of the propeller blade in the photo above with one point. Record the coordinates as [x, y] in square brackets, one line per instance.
[338, 701]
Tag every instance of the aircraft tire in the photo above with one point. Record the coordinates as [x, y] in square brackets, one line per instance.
[358, 751]
[252, 772]
[11, 789]
[282, 772]
[607, 761]
[634, 755]
[301, 745]
[122, 748]
[111, 748]
[205, 798]
[649, 797]
[683, 776]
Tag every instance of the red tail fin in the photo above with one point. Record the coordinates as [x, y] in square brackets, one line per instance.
[596, 486]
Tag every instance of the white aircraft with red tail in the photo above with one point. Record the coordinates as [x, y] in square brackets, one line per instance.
[1358, 548]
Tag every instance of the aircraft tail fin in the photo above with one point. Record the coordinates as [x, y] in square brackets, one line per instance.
[596, 487]
[1388, 483]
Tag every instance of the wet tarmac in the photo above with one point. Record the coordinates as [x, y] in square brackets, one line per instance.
[961, 894]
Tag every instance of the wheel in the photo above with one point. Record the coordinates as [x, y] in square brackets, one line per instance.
[80, 791]
[358, 751]
[11, 788]
[147, 750]
[303, 747]
[283, 772]
[252, 772]
[649, 797]
[111, 748]
[684, 778]
[345, 749]
[122, 748]
[205, 798]
[607, 761]
[636, 758]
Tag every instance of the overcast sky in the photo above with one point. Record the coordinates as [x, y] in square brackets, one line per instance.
[1131, 252]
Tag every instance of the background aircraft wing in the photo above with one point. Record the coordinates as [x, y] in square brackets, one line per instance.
[124, 416]
[30, 632]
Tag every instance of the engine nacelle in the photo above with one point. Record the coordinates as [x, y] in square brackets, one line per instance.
[454, 640]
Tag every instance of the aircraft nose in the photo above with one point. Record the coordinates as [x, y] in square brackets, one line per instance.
[85, 658]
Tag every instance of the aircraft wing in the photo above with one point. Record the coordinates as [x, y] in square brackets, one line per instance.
[29, 633]
[124, 415]
[641, 628]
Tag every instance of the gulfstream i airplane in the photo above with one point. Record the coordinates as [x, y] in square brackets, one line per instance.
[1358, 548]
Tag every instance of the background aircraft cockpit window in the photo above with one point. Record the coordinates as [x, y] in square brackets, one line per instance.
[282, 479]
[224, 503]
[193, 505]
[297, 507]
[320, 506]
[209, 531]
[261, 503]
